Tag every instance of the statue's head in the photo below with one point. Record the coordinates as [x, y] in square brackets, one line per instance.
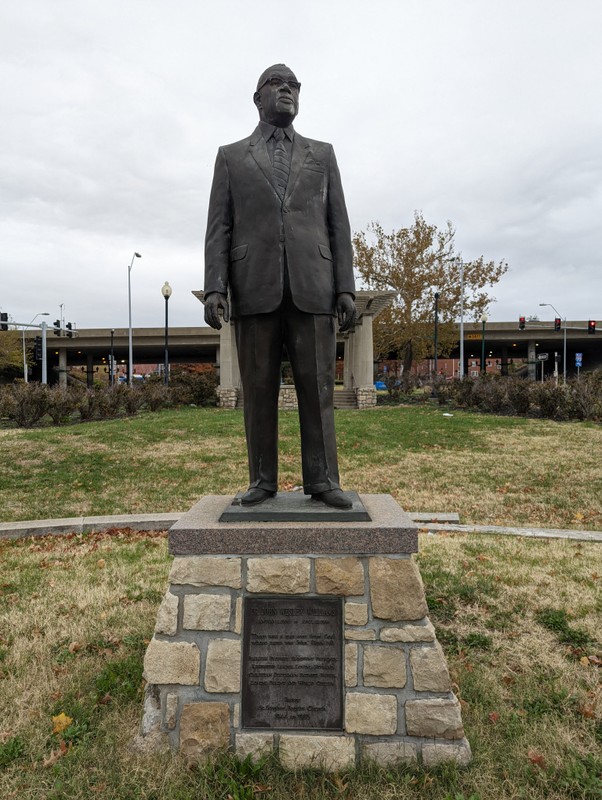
[277, 95]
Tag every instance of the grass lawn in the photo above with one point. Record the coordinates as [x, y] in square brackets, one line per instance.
[519, 621]
[496, 470]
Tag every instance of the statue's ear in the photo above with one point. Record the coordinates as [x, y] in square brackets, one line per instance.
[257, 100]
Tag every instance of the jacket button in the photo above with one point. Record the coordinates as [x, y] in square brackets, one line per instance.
[282, 238]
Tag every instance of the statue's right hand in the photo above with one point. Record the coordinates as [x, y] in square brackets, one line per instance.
[213, 303]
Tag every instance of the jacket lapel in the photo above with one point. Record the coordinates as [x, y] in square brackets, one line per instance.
[259, 151]
[300, 153]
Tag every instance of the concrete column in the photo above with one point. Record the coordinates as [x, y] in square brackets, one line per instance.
[504, 370]
[229, 374]
[532, 356]
[364, 353]
[63, 367]
[90, 371]
[348, 357]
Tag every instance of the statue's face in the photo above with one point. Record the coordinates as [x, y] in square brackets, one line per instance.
[278, 98]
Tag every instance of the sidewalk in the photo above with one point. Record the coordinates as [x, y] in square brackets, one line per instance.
[428, 522]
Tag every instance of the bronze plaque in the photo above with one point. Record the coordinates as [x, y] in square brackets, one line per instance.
[292, 663]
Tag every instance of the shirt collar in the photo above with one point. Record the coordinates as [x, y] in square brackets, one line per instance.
[267, 130]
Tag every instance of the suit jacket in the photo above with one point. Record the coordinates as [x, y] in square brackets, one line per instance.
[249, 226]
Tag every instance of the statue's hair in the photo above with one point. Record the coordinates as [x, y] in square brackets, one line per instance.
[267, 72]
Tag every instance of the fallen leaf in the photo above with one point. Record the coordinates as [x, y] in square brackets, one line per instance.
[101, 563]
[56, 754]
[104, 701]
[494, 717]
[536, 758]
[74, 647]
[584, 660]
[60, 722]
[578, 516]
[588, 710]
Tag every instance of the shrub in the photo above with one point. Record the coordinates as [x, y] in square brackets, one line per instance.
[29, 403]
[86, 401]
[198, 388]
[61, 404]
[111, 401]
[156, 396]
[133, 398]
[518, 391]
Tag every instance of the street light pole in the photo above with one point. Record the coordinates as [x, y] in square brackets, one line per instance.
[461, 318]
[112, 364]
[166, 291]
[483, 367]
[436, 329]
[564, 340]
[131, 355]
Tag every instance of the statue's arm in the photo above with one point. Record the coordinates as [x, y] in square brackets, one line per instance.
[342, 250]
[217, 245]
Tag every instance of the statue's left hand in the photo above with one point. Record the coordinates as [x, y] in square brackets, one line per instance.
[346, 311]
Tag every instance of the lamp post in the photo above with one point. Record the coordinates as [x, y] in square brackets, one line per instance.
[564, 340]
[166, 291]
[483, 367]
[131, 357]
[112, 364]
[436, 330]
[461, 318]
[41, 314]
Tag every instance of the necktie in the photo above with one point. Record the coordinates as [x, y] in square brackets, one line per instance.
[281, 163]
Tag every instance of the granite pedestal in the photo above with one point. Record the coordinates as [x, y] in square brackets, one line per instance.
[382, 681]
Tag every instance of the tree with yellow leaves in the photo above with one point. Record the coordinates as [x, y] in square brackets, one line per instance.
[416, 262]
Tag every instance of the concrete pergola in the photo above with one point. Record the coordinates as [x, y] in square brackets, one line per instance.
[358, 374]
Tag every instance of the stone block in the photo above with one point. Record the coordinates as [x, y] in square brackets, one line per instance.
[206, 571]
[388, 754]
[222, 669]
[367, 635]
[340, 576]
[330, 753]
[384, 666]
[434, 718]
[356, 613]
[172, 662]
[409, 633]
[171, 710]
[374, 714]
[204, 729]
[429, 669]
[436, 753]
[350, 665]
[151, 739]
[254, 745]
[278, 575]
[206, 612]
[238, 616]
[167, 615]
[396, 589]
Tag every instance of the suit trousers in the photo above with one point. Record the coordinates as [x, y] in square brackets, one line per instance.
[310, 341]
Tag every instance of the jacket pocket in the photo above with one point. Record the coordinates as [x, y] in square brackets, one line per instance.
[325, 252]
[238, 252]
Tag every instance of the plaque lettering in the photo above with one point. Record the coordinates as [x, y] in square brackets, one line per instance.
[292, 663]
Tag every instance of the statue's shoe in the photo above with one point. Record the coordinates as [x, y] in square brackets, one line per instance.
[333, 497]
[254, 496]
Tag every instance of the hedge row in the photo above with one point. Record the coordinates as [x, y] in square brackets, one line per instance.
[580, 399]
[28, 404]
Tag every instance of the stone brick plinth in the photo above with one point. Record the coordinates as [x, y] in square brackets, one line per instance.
[398, 705]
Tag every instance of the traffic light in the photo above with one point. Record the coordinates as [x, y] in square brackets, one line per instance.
[57, 327]
[557, 323]
[37, 348]
[591, 326]
[521, 323]
[3, 321]
[69, 329]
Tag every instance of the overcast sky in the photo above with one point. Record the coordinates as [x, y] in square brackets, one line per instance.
[484, 112]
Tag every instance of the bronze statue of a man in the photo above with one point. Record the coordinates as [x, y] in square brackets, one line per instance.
[279, 244]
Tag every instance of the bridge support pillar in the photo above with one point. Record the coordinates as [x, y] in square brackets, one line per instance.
[532, 357]
[63, 368]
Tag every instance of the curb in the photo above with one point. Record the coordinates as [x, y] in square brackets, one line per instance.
[431, 523]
